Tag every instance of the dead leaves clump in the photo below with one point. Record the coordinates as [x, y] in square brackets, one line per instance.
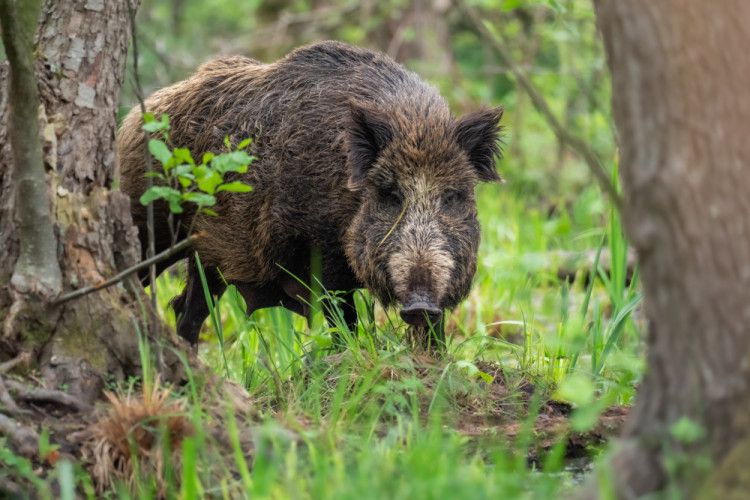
[137, 435]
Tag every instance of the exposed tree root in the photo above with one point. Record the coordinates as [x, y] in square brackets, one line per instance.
[24, 440]
[23, 358]
[49, 396]
[9, 405]
[9, 488]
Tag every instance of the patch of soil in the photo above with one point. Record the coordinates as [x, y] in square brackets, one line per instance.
[506, 408]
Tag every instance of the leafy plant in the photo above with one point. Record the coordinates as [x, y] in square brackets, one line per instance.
[183, 180]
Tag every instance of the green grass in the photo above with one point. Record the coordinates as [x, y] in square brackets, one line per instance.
[377, 422]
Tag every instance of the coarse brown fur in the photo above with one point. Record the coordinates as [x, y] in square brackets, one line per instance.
[357, 157]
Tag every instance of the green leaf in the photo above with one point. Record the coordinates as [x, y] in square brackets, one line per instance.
[576, 389]
[158, 193]
[509, 5]
[245, 144]
[207, 179]
[183, 154]
[154, 125]
[472, 370]
[185, 181]
[585, 417]
[207, 158]
[210, 212]
[183, 171]
[174, 206]
[160, 151]
[687, 431]
[204, 199]
[235, 187]
[227, 143]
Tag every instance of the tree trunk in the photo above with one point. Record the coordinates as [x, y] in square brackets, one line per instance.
[680, 76]
[81, 47]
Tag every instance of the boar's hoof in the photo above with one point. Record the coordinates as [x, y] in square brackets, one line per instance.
[419, 309]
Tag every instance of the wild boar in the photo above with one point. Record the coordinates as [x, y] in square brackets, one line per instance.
[358, 158]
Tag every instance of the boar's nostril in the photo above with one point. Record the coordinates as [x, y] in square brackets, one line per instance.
[419, 309]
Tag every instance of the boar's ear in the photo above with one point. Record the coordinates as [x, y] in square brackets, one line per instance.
[368, 132]
[478, 134]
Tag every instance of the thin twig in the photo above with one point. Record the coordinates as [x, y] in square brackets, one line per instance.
[127, 272]
[540, 103]
[149, 165]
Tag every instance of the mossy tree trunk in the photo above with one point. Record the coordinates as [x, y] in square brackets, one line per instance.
[79, 62]
[680, 76]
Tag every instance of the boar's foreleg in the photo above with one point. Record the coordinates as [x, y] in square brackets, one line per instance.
[190, 307]
[348, 314]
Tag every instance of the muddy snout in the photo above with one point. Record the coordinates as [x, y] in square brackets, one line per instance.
[419, 308]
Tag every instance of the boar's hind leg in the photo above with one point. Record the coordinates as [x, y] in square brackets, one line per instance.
[190, 307]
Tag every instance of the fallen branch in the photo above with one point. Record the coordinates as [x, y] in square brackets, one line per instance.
[540, 103]
[127, 272]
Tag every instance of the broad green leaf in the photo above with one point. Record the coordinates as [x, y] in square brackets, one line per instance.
[204, 199]
[183, 155]
[154, 125]
[245, 144]
[207, 158]
[183, 170]
[174, 206]
[207, 179]
[159, 150]
[235, 187]
[160, 192]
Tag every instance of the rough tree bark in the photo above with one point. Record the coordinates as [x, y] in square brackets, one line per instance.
[36, 271]
[80, 51]
[680, 76]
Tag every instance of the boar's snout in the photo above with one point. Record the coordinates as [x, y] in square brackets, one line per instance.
[419, 309]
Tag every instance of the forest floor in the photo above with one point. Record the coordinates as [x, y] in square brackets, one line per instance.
[496, 407]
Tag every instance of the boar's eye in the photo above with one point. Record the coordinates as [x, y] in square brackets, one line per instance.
[451, 198]
[390, 197]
